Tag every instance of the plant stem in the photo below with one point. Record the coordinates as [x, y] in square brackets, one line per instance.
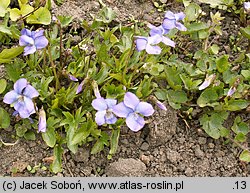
[237, 143]
[61, 45]
[54, 69]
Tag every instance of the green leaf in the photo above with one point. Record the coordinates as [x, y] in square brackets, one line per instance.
[65, 20]
[245, 156]
[56, 166]
[8, 54]
[15, 13]
[224, 132]
[245, 32]
[5, 30]
[194, 27]
[30, 135]
[3, 7]
[99, 146]
[214, 49]
[50, 136]
[161, 94]
[20, 130]
[177, 96]
[222, 63]
[212, 124]
[3, 85]
[189, 83]
[207, 97]
[106, 15]
[4, 118]
[173, 77]
[235, 105]
[240, 137]
[240, 127]
[192, 12]
[114, 141]
[81, 134]
[246, 74]
[213, 3]
[40, 16]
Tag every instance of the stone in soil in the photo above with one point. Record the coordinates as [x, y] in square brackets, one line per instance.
[82, 155]
[126, 167]
[163, 126]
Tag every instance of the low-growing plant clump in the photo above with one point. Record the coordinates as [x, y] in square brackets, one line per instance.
[84, 93]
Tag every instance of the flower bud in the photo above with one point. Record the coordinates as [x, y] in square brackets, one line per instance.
[42, 121]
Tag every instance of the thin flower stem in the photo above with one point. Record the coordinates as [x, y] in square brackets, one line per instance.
[238, 144]
[54, 69]
[44, 59]
[23, 17]
[61, 45]
[126, 64]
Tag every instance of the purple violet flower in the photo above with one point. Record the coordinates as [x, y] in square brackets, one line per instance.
[42, 121]
[21, 98]
[104, 109]
[161, 32]
[80, 87]
[246, 6]
[96, 89]
[161, 105]
[148, 44]
[32, 40]
[132, 109]
[71, 77]
[171, 21]
[207, 82]
[231, 91]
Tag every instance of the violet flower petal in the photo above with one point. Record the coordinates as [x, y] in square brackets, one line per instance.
[10, 97]
[180, 26]
[153, 50]
[100, 117]
[141, 43]
[121, 110]
[99, 104]
[231, 91]
[30, 92]
[26, 32]
[135, 122]
[110, 102]
[168, 24]
[26, 40]
[246, 5]
[131, 100]
[79, 88]
[42, 121]
[156, 30]
[38, 33]
[29, 50]
[41, 42]
[145, 109]
[204, 85]
[161, 105]
[110, 118]
[25, 106]
[156, 39]
[179, 16]
[169, 15]
[168, 41]
[20, 84]
[71, 77]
